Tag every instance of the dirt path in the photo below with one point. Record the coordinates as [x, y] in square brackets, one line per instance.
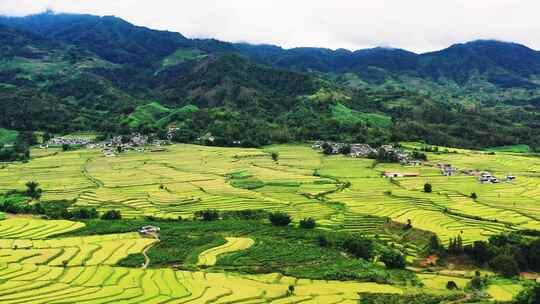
[145, 252]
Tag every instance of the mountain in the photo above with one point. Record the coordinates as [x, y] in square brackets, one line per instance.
[83, 72]
[111, 38]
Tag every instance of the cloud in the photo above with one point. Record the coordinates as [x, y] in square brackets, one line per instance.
[417, 25]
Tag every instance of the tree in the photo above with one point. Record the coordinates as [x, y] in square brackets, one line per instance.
[46, 137]
[533, 255]
[428, 188]
[85, 213]
[434, 244]
[279, 219]
[32, 190]
[275, 156]
[530, 295]
[451, 285]
[409, 224]
[308, 223]
[112, 215]
[419, 156]
[323, 241]
[476, 282]
[359, 247]
[345, 149]
[393, 259]
[456, 245]
[207, 215]
[65, 147]
[474, 196]
[290, 290]
[480, 251]
[505, 265]
[327, 149]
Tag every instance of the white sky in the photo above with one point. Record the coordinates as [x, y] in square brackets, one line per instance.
[416, 25]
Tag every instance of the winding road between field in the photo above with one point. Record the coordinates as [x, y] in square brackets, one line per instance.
[145, 251]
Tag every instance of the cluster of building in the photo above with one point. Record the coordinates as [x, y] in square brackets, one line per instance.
[447, 169]
[361, 150]
[400, 174]
[487, 177]
[149, 230]
[111, 147]
[60, 141]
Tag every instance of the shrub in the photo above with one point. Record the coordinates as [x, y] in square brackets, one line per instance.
[476, 283]
[451, 285]
[323, 241]
[474, 196]
[529, 295]
[409, 224]
[359, 247]
[428, 188]
[327, 149]
[345, 149]
[393, 259]
[32, 190]
[275, 156]
[85, 213]
[434, 244]
[308, 223]
[505, 265]
[247, 214]
[480, 252]
[419, 156]
[111, 215]
[279, 219]
[207, 215]
[290, 290]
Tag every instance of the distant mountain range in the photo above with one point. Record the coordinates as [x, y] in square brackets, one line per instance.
[67, 72]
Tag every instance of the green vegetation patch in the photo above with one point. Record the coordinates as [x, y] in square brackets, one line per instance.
[182, 55]
[149, 113]
[382, 298]
[511, 149]
[7, 136]
[287, 250]
[247, 183]
[345, 115]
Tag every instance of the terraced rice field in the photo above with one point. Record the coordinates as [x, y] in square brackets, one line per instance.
[340, 193]
[73, 251]
[104, 284]
[503, 291]
[24, 228]
[209, 257]
[437, 283]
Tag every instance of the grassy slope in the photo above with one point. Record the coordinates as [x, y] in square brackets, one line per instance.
[343, 114]
[182, 55]
[148, 113]
[156, 113]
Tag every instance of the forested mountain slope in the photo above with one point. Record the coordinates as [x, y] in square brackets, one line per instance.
[65, 72]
